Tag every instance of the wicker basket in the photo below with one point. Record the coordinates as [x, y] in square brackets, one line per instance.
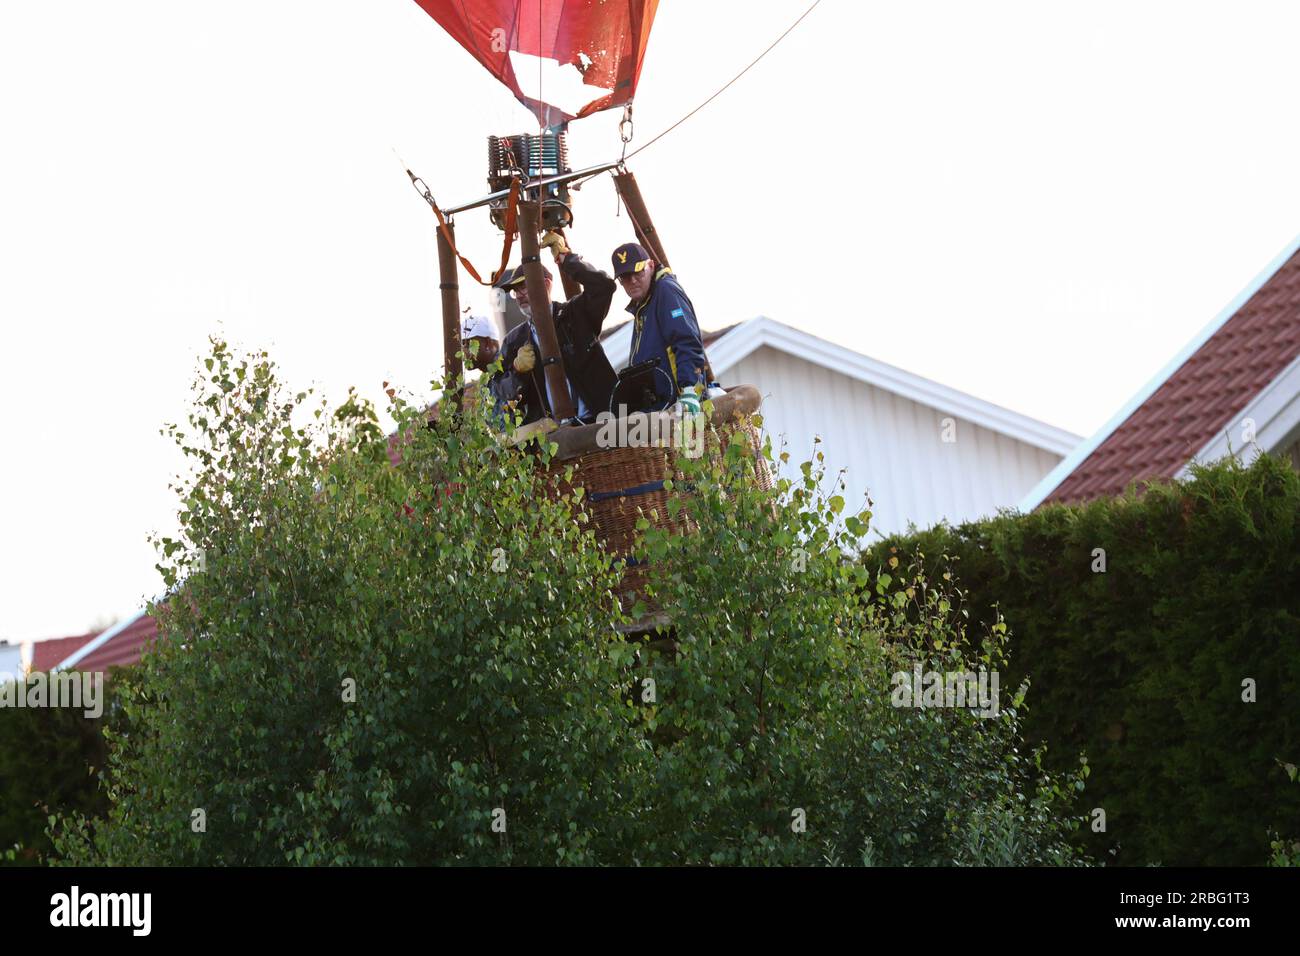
[623, 484]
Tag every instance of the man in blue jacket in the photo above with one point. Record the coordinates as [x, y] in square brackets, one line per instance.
[664, 329]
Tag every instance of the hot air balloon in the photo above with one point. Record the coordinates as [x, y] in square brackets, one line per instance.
[563, 59]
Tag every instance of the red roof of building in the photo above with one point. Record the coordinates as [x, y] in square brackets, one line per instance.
[122, 649]
[47, 654]
[1193, 404]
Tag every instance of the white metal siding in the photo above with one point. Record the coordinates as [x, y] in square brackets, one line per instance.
[891, 445]
[11, 662]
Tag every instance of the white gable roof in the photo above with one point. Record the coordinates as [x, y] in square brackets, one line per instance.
[749, 336]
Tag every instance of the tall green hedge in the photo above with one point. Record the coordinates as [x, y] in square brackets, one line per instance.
[1143, 664]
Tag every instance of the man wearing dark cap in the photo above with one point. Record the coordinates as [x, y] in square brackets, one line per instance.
[577, 328]
[664, 330]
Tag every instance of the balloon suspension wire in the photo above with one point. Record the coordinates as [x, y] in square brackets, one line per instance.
[541, 102]
[788, 31]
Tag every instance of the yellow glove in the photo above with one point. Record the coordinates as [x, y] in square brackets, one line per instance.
[555, 242]
[525, 358]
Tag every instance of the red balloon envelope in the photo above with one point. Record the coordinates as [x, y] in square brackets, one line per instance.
[563, 59]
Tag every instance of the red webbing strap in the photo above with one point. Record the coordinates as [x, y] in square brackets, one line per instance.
[512, 216]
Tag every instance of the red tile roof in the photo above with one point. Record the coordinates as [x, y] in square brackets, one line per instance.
[122, 649]
[47, 654]
[1201, 397]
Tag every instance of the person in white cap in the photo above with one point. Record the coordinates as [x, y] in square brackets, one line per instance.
[478, 338]
[479, 341]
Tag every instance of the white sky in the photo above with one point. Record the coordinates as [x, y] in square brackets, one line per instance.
[1037, 203]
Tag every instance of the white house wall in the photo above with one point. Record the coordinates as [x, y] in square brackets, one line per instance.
[11, 662]
[892, 446]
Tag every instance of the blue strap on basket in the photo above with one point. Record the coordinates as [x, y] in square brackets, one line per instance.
[645, 489]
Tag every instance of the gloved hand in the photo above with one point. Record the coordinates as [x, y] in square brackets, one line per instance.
[525, 358]
[688, 402]
[555, 242]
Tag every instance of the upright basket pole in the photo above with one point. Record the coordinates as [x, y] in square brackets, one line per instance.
[449, 283]
[646, 234]
[540, 306]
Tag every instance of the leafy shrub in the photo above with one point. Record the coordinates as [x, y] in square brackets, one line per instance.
[325, 568]
[472, 607]
[1285, 852]
[780, 697]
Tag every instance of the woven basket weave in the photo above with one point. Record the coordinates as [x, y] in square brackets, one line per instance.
[621, 485]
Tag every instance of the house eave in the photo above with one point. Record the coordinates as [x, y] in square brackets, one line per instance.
[750, 336]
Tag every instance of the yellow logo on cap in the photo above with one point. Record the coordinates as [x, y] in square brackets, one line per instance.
[622, 257]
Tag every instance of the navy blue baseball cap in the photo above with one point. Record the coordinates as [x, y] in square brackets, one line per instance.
[628, 258]
[515, 276]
